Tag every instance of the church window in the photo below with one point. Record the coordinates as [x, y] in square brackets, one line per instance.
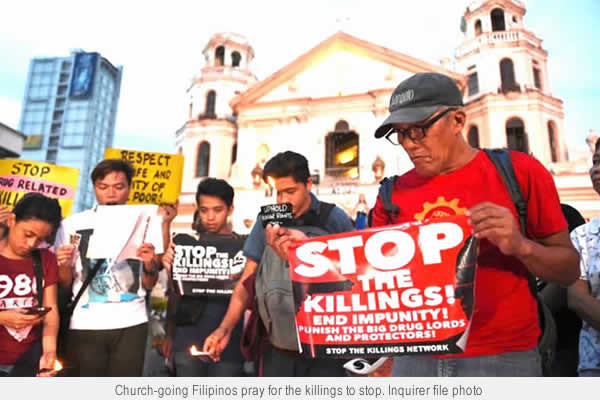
[341, 152]
[473, 136]
[478, 29]
[234, 153]
[507, 75]
[473, 84]
[552, 141]
[537, 78]
[498, 23]
[516, 138]
[210, 103]
[235, 59]
[220, 56]
[203, 159]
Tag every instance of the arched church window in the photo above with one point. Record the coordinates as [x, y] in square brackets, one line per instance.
[211, 97]
[507, 75]
[341, 126]
[235, 59]
[516, 138]
[234, 153]
[203, 159]
[478, 29]
[341, 152]
[220, 56]
[473, 136]
[552, 141]
[498, 23]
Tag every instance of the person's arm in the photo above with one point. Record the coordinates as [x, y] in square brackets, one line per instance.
[171, 322]
[150, 265]
[583, 303]
[551, 258]
[168, 212]
[50, 328]
[216, 342]
[65, 258]
[16, 319]
[65, 255]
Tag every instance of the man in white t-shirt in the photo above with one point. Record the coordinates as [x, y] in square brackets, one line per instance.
[109, 326]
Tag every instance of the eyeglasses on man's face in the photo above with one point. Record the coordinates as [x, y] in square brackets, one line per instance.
[415, 132]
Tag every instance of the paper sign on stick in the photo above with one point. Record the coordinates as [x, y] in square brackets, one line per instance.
[397, 290]
[18, 177]
[157, 178]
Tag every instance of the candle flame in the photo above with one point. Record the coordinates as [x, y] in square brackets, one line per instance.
[57, 365]
[193, 350]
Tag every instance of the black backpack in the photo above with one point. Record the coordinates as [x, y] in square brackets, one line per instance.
[501, 160]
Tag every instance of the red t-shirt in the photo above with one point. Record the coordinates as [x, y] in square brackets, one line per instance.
[505, 315]
[18, 289]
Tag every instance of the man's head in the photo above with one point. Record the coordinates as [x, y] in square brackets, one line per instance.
[112, 181]
[214, 199]
[288, 172]
[426, 119]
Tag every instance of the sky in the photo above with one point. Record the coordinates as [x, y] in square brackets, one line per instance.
[160, 47]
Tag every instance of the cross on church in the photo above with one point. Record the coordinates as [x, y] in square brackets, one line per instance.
[341, 23]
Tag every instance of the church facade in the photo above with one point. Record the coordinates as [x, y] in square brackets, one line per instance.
[327, 102]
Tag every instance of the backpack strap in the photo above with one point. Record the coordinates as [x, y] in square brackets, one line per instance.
[386, 188]
[323, 213]
[37, 269]
[501, 160]
[88, 279]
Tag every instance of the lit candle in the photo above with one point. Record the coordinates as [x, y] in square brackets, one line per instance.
[57, 367]
[197, 353]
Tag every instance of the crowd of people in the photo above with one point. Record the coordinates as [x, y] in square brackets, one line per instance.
[43, 270]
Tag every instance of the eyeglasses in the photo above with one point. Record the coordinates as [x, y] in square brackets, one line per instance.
[416, 132]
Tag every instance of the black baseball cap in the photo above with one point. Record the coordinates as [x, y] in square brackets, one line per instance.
[418, 97]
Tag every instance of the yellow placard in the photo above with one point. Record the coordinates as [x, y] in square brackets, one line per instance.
[18, 177]
[157, 178]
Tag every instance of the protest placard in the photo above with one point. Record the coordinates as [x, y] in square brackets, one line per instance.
[18, 177]
[157, 178]
[396, 290]
[210, 266]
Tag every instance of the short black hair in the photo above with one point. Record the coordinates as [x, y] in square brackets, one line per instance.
[285, 164]
[597, 144]
[39, 207]
[217, 188]
[109, 165]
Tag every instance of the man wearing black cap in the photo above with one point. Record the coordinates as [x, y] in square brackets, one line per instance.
[450, 177]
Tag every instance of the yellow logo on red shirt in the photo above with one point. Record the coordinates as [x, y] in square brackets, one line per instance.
[441, 208]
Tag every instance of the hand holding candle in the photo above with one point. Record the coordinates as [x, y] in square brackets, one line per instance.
[56, 367]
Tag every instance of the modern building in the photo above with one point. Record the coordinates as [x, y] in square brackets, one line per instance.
[69, 114]
[11, 142]
[327, 102]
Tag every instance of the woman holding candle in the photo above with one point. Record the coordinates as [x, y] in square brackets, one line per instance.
[28, 329]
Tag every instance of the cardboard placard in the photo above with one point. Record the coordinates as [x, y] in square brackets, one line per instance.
[210, 266]
[397, 290]
[18, 177]
[157, 178]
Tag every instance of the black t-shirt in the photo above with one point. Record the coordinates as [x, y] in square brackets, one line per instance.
[198, 316]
